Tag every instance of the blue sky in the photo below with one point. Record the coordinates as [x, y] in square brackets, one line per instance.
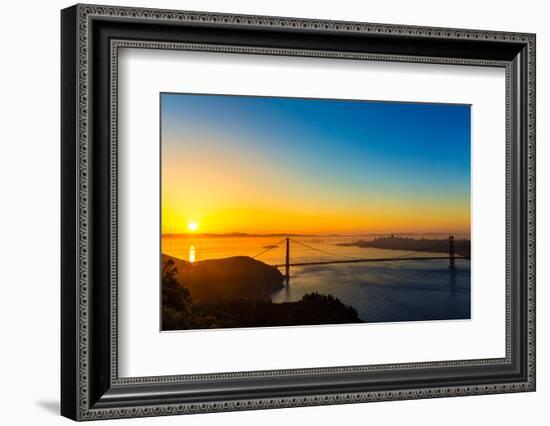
[409, 151]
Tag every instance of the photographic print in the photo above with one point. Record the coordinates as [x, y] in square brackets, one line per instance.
[294, 211]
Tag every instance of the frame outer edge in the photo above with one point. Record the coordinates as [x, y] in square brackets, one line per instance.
[69, 190]
[531, 200]
[83, 13]
[84, 194]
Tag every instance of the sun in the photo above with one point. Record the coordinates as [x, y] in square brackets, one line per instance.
[192, 226]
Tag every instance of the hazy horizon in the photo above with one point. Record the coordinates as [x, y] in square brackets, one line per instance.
[310, 234]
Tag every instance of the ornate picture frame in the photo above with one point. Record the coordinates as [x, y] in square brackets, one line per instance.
[91, 37]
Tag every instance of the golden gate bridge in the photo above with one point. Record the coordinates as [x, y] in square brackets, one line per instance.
[338, 258]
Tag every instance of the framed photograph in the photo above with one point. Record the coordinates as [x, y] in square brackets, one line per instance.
[263, 212]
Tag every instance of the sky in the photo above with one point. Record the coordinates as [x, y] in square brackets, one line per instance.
[293, 165]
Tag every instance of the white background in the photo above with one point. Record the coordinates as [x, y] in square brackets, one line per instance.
[29, 218]
[146, 352]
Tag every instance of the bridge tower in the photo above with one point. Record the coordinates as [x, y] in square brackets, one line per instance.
[287, 262]
[452, 252]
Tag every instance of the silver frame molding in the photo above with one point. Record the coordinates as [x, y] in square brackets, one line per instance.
[91, 388]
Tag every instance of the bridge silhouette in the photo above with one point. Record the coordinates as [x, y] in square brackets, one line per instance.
[337, 258]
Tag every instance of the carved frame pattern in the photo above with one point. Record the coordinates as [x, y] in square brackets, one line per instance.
[85, 13]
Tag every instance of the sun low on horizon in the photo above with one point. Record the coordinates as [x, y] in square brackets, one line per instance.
[193, 226]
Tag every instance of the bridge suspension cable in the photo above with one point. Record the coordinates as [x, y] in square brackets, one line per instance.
[413, 253]
[269, 247]
[323, 251]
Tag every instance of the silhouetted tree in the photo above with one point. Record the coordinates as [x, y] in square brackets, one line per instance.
[176, 299]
